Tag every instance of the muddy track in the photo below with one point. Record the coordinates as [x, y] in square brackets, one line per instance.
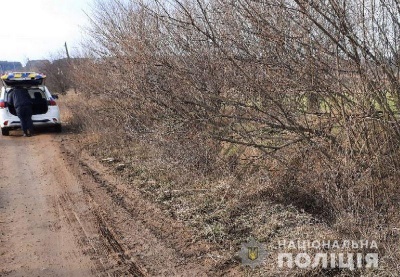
[138, 230]
[63, 213]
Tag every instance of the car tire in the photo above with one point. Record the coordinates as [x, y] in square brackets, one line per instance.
[58, 128]
[5, 131]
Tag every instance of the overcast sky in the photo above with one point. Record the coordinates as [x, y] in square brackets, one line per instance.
[34, 29]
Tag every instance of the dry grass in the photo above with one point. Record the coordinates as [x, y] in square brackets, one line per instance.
[227, 205]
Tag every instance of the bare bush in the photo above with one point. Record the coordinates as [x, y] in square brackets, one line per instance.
[57, 72]
[308, 90]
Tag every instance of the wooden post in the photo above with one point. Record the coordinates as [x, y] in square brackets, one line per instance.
[69, 62]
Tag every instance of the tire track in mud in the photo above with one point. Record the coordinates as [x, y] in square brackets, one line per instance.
[137, 234]
[96, 237]
[64, 205]
[117, 248]
[151, 249]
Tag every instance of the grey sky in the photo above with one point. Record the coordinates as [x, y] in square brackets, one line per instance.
[34, 29]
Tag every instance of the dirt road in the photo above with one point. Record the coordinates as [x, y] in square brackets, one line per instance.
[36, 238]
[63, 214]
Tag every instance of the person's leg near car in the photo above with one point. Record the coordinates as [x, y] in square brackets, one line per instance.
[29, 121]
[24, 116]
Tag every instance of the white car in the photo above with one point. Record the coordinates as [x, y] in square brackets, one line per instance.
[45, 110]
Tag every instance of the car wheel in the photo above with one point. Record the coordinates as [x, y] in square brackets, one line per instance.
[5, 132]
[58, 128]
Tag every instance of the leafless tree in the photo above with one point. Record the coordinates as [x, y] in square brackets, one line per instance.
[292, 81]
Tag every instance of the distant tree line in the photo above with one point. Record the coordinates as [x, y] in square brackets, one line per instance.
[10, 66]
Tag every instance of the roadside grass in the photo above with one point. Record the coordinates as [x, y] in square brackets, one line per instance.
[227, 204]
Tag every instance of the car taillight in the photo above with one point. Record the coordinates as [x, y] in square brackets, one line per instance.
[52, 102]
[3, 104]
[5, 123]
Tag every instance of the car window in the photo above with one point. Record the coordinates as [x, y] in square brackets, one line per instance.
[36, 93]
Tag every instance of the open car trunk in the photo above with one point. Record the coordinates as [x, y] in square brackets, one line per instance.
[39, 101]
[25, 79]
[34, 83]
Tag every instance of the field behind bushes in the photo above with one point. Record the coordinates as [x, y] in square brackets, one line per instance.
[274, 119]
